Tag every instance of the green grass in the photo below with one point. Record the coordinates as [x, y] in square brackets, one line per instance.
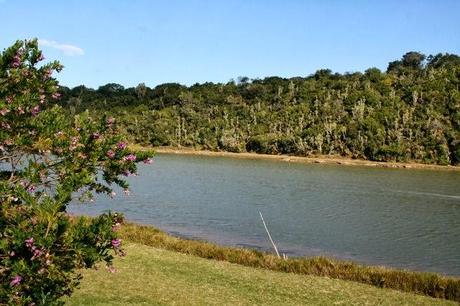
[429, 284]
[152, 276]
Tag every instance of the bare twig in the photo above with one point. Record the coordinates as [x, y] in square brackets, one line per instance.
[269, 236]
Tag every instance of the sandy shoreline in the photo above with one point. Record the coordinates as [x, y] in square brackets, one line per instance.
[325, 159]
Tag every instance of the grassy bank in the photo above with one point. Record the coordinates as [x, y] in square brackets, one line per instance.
[321, 159]
[152, 276]
[429, 284]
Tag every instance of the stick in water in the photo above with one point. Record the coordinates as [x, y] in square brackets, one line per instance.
[269, 236]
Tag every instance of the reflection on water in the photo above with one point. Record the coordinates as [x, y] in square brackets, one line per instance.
[395, 217]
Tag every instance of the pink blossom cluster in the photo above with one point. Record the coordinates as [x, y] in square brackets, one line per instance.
[110, 121]
[148, 161]
[16, 60]
[35, 110]
[96, 135]
[73, 143]
[9, 99]
[121, 145]
[116, 243]
[36, 251]
[16, 280]
[130, 157]
[29, 242]
[48, 73]
[116, 227]
[110, 154]
[31, 188]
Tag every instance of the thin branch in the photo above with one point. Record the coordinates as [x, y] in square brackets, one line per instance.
[269, 236]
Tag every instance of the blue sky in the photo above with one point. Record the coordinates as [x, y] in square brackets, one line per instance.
[189, 41]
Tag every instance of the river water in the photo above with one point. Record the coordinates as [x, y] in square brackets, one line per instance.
[394, 217]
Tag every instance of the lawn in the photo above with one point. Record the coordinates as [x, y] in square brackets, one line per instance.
[152, 276]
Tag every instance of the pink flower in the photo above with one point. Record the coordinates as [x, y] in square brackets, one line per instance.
[110, 121]
[73, 143]
[37, 253]
[4, 111]
[130, 157]
[16, 61]
[115, 227]
[12, 254]
[116, 243]
[96, 135]
[110, 154]
[9, 99]
[48, 73]
[40, 57]
[29, 242]
[15, 280]
[56, 95]
[126, 173]
[148, 161]
[111, 269]
[121, 145]
[113, 194]
[31, 188]
[35, 110]
[42, 98]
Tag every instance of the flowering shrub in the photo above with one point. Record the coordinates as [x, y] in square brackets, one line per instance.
[46, 159]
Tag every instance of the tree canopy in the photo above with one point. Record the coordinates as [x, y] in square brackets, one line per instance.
[411, 112]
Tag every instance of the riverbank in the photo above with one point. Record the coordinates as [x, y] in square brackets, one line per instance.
[162, 269]
[429, 284]
[324, 159]
[153, 276]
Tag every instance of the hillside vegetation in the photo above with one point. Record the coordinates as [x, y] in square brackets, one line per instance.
[411, 112]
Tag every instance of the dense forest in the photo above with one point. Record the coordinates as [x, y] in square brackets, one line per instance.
[411, 112]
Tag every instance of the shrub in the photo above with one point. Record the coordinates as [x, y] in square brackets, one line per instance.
[46, 159]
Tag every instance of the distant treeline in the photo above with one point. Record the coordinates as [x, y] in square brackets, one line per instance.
[411, 112]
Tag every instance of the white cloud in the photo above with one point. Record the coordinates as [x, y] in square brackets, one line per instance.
[69, 50]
